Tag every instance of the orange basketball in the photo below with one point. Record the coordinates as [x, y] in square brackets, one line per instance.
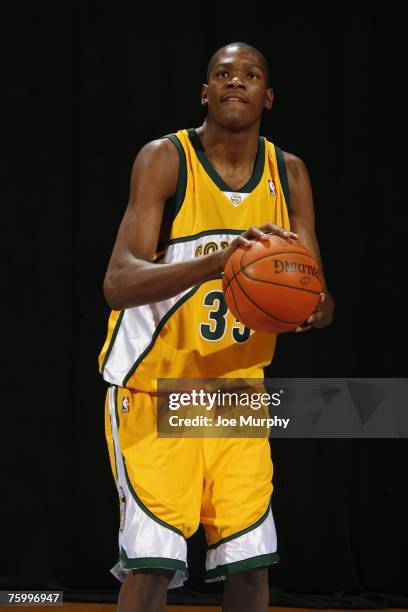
[274, 286]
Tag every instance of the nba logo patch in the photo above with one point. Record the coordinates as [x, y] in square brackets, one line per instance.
[272, 190]
[125, 404]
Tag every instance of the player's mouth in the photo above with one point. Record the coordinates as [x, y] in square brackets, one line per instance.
[234, 98]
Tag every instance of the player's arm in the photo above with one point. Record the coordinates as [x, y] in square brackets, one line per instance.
[132, 279]
[302, 222]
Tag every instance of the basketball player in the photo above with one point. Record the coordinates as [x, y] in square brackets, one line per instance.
[194, 197]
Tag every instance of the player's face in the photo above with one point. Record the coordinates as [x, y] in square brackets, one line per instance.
[237, 92]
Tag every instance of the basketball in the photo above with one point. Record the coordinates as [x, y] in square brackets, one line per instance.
[274, 286]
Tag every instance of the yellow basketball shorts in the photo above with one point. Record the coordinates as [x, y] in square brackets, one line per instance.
[167, 486]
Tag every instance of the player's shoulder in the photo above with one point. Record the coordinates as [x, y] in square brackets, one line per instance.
[157, 150]
[158, 160]
[295, 166]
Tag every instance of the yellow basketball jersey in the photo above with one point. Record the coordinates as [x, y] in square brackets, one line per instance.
[193, 334]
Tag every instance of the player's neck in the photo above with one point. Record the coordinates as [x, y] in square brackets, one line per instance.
[225, 146]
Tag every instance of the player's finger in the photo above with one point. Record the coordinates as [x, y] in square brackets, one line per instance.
[314, 317]
[322, 297]
[302, 328]
[242, 241]
[271, 228]
[255, 232]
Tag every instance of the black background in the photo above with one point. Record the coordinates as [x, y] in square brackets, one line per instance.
[86, 85]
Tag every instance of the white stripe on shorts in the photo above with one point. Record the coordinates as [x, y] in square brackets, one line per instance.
[144, 540]
[244, 549]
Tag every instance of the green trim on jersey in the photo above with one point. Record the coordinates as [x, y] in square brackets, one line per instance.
[145, 508]
[283, 175]
[182, 175]
[240, 533]
[112, 342]
[152, 562]
[241, 566]
[213, 174]
[157, 332]
[206, 233]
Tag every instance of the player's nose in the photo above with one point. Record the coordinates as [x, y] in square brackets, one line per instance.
[235, 81]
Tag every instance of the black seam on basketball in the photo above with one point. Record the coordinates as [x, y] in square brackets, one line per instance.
[260, 280]
[229, 280]
[234, 275]
[230, 286]
[264, 311]
[235, 302]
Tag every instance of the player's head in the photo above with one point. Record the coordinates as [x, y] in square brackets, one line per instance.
[237, 89]
[238, 46]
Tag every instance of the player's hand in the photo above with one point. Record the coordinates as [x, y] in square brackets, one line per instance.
[246, 239]
[321, 316]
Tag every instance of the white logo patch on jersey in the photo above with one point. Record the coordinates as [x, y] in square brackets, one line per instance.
[235, 197]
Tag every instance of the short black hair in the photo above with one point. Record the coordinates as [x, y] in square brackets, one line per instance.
[241, 45]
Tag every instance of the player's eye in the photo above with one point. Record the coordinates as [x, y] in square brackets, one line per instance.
[221, 74]
[253, 75]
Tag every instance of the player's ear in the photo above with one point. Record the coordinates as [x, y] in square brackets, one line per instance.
[204, 99]
[268, 98]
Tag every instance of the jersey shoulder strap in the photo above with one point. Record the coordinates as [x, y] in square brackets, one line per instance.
[283, 175]
[178, 197]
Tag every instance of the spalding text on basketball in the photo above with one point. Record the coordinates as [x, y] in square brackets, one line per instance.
[294, 266]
